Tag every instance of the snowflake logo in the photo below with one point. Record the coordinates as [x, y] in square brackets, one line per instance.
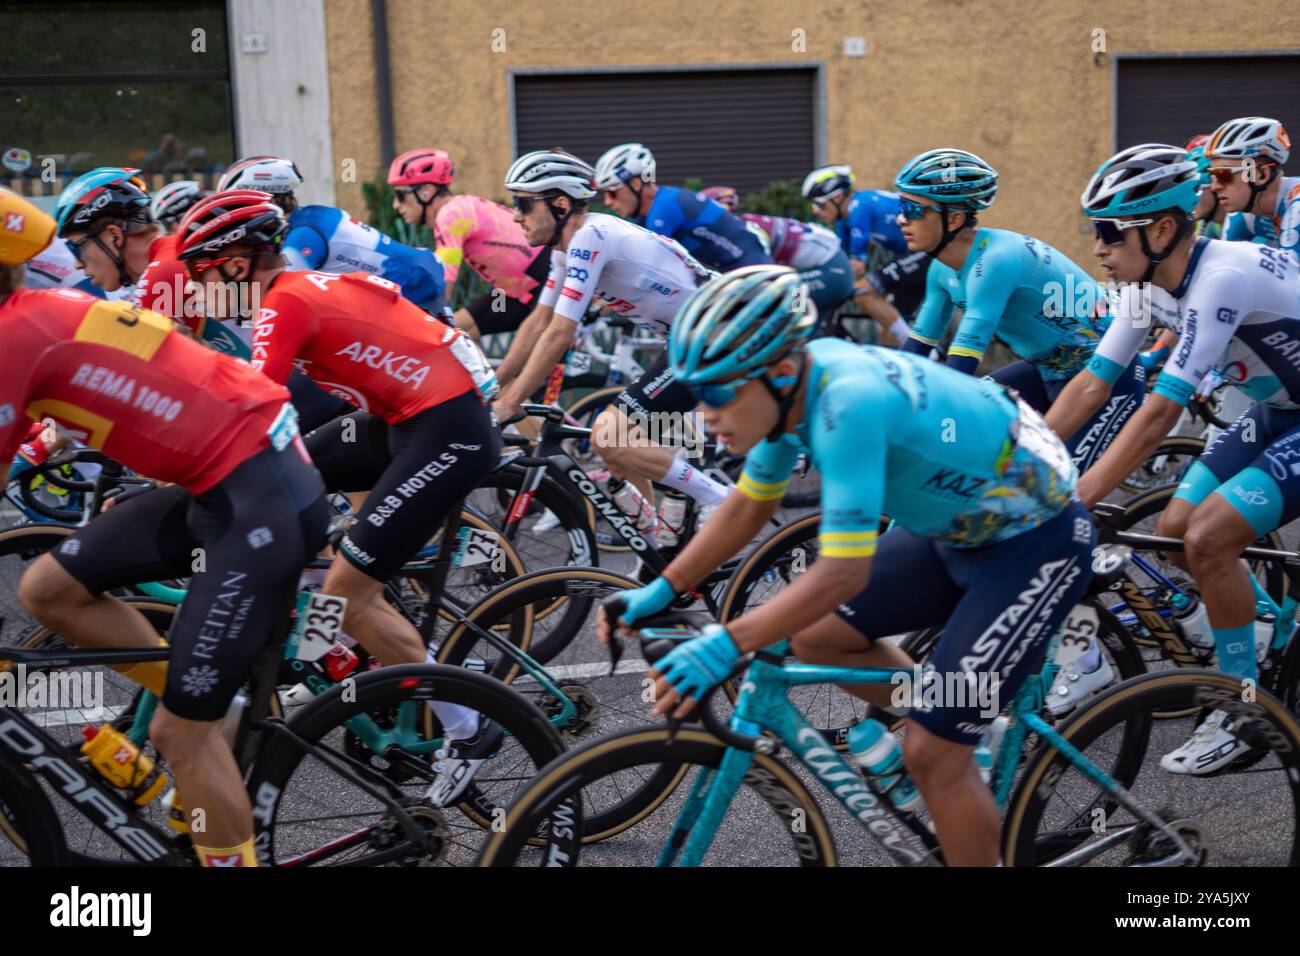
[197, 681]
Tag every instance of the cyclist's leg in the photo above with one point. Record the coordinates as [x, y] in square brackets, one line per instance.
[314, 405]
[909, 589]
[1028, 382]
[895, 291]
[1017, 593]
[256, 529]
[435, 459]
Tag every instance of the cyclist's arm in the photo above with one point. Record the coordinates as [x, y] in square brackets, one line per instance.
[305, 247]
[529, 331]
[544, 355]
[931, 318]
[987, 294]
[737, 522]
[1088, 390]
[450, 250]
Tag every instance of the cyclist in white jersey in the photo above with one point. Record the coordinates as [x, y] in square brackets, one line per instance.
[1236, 309]
[637, 274]
[1245, 158]
[55, 267]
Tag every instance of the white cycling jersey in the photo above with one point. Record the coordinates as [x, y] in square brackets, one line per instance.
[54, 267]
[639, 274]
[1237, 312]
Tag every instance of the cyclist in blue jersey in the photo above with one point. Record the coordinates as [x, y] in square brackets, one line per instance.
[625, 177]
[1236, 309]
[989, 523]
[1042, 305]
[893, 279]
[327, 239]
[1245, 158]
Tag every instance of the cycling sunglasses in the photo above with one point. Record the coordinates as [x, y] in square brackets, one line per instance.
[718, 394]
[1223, 175]
[75, 246]
[911, 210]
[401, 192]
[525, 203]
[197, 267]
[1111, 231]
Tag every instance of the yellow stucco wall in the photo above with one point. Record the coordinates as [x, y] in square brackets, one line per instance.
[1016, 82]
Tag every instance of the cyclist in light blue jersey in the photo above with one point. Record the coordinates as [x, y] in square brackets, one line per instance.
[327, 239]
[1236, 309]
[988, 535]
[1245, 158]
[625, 177]
[1042, 305]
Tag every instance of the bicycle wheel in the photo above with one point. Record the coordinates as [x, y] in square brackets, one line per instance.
[1166, 465]
[19, 547]
[307, 814]
[555, 530]
[793, 832]
[1243, 815]
[603, 703]
[28, 820]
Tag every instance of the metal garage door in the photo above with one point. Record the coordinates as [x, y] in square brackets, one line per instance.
[741, 127]
[1170, 99]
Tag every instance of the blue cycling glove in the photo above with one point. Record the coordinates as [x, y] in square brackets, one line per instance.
[697, 665]
[644, 602]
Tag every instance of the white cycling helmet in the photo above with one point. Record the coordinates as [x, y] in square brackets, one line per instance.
[1251, 137]
[268, 174]
[618, 166]
[172, 201]
[546, 170]
[826, 181]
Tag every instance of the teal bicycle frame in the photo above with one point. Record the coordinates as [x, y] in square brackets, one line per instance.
[763, 705]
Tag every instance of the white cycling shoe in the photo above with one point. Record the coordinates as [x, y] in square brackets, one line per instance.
[549, 521]
[1074, 684]
[1212, 746]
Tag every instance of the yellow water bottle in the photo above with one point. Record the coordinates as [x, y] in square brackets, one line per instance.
[121, 762]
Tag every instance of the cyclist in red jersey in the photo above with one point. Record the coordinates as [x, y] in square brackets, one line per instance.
[424, 436]
[242, 490]
[470, 230]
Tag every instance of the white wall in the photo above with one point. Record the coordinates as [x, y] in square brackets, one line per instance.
[282, 101]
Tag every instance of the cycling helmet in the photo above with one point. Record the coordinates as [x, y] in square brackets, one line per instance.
[949, 177]
[418, 166]
[103, 193]
[235, 217]
[171, 202]
[24, 229]
[826, 181]
[620, 165]
[1145, 179]
[268, 174]
[1152, 177]
[725, 196]
[1249, 138]
[548, 171]
[739, 323]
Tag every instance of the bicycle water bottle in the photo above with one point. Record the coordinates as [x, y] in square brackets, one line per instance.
[122, 764]
[672, 518]
[230, 722]
[877, 752]
[1193, 620]
[632, 503]
[1264, 626]
[986, 752]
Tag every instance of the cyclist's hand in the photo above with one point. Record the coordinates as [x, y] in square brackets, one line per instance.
[505, 409]
[691, 669]
[635, 605]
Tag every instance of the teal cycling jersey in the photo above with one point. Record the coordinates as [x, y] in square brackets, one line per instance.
[1034, 298]
[1281, 230]
[947, 456]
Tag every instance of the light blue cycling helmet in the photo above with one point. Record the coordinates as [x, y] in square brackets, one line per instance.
[109, 191]
[739, 323]
[949, 177]
[1152, 177]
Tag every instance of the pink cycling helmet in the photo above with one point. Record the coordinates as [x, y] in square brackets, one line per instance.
[725, 196]
[416, 167]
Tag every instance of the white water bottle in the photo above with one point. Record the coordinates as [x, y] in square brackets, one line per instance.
[1194, 621]
[877, 752]
[1263, 637]
[672, 517]
[633, 504]
[986, 752]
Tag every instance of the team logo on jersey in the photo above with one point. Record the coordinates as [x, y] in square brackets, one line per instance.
[585, 254]
[575, 273]
[1226, 315]
[14, 221]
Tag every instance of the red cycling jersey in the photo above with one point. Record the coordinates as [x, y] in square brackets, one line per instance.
[162, 287]
[357, 336]
[121, 379]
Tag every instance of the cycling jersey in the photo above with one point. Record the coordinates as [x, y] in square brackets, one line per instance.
[639, 274]
[947, 456]
[1281, 230]
[704, 228]
[872, 218]
[329, 240]
[123, 380]
[54, 267]
[799, 245]
[1236, 312]
[165, 287]
[1030, 295]
[359, 338]
[483, 234]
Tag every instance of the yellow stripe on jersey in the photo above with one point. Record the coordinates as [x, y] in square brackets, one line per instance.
[120, 325]
[86, 427]
[450, 256]
[922, 338]
[847, 544]
[762, 491]
[958, 350]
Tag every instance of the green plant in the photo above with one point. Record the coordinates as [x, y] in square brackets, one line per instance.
[779, 198]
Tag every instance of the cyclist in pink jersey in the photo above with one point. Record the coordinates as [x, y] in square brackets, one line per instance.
[474, 231]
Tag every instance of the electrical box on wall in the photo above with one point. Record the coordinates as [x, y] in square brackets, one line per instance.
[253, 43]
[855, 46]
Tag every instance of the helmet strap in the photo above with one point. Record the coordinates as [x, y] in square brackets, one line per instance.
[1257, 188]
[949, 235]
[784, 402]
[1155, 258]
[561, 220]
[426, 203]
[119, 259]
